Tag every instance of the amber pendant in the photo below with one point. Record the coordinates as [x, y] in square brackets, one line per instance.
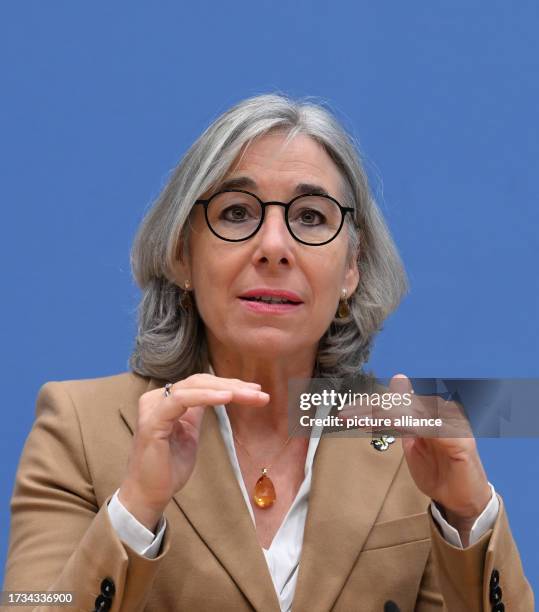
[264, 493]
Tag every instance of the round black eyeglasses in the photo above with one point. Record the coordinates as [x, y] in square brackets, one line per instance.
[235, 215]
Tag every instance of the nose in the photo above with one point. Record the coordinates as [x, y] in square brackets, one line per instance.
[274, 243]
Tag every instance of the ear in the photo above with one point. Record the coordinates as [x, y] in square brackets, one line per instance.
[351, 276]
[182, 267]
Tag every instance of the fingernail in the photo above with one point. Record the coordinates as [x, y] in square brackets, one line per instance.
[263, 394]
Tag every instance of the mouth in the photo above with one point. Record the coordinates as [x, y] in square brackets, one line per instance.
[270, 301]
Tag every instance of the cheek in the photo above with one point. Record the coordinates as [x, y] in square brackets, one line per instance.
[215, 271]
[203, 279]
[327, 276]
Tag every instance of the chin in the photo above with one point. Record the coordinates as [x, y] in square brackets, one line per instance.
[269, 342]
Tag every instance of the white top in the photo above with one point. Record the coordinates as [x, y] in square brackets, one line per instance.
[284, 552]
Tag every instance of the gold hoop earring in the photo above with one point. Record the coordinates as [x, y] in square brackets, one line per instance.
[344, 310]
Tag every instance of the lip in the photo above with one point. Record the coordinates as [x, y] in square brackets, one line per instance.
[263, 308]
[279, 293]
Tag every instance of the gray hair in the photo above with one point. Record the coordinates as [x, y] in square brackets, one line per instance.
[171, 341]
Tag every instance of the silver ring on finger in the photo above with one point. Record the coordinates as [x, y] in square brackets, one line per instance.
[168, 390]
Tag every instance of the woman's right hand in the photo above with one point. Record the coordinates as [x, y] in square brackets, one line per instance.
[163, 452]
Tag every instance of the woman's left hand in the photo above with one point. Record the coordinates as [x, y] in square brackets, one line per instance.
[448, 470]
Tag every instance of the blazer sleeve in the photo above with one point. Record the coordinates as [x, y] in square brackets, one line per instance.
[478, 577]
[60, 540]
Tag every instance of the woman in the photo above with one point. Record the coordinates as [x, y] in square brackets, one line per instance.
[264, 259]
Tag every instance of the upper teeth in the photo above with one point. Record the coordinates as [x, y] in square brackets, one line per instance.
[270, 299]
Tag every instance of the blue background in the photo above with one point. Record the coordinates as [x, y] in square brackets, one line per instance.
[99, 100]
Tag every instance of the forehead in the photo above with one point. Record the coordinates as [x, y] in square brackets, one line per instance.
[273, 163]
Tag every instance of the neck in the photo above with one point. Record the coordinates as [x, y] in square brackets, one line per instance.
[269, 423]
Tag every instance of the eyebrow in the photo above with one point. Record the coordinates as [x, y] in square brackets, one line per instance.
[244, 182]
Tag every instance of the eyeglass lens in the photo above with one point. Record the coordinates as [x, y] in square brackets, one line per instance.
[235, 216]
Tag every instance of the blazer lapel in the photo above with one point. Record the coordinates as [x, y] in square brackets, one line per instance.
[213, 503]
[349, 484]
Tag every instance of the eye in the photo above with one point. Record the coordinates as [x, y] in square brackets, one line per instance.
[235, 213]
[309, 216]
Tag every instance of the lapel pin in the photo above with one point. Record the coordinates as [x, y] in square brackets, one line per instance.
[382, 443]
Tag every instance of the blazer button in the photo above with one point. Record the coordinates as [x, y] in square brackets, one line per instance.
[494, 579]
[495, 595]
[102, 603]
[107, 587]
[499, 607]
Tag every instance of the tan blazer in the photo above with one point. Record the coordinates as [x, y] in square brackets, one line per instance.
[369, 538]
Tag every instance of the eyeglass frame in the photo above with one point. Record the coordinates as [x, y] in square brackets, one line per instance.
[264, 205]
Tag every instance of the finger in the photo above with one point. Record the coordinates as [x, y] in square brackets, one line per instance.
[400, 383]
[192, 418]
[408, 445]
[153, 415]
[238, 394]
[421, 407]
[205, 380]
[180, 400]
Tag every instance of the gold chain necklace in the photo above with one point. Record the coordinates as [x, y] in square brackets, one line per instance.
[264, 491]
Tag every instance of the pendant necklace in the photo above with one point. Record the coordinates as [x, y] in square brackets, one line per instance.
[264, 494]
